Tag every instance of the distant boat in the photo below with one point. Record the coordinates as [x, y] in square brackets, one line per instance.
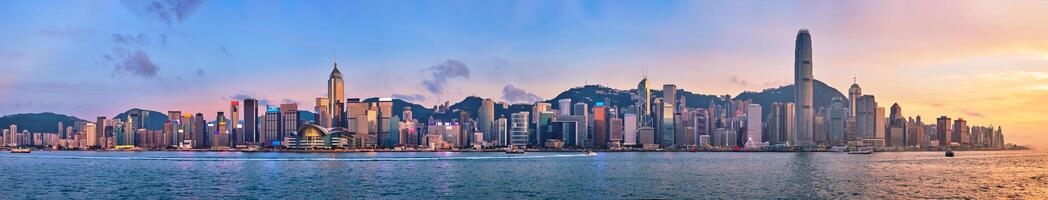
[861, 151]
[591, 153]
[949, 153]
[21, 150]
[514, 150]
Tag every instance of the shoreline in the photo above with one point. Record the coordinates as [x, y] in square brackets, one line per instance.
[498, 150]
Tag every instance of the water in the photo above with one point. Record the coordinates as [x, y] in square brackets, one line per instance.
[218, 175]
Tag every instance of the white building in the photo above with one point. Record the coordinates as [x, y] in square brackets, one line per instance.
[630, 129]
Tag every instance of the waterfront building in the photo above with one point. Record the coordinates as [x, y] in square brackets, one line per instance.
[383, 120]
[543, 127]
[669, 95]
[836, 119]
[866, 121]
[486, 119]
[629, 129]
[880, 125]
[92, 135]
[519, 129]
[290, 123]
[944, 131]
[600, 125]
[896, 135]
[583, 138]
[803, 79]
[646, 137]
[754, 127]
[702, 123]
[234, 123]
[250, 135]
[311, 136]
[666, 123]
[321, 115]
[960, 132]
[615, 128]
[564, 106]
[502, 129]
[336, 94]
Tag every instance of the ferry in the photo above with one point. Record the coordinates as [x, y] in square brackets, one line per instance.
[861, 151]
[949, 153]
[591, 153]
[514, 150]
[21, 150]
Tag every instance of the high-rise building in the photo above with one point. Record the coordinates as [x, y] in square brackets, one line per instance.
[250, 135]
[865, 119]
[271, 127]
[92, 135]
[583, 137]
[881, 125]
[600, 125]
[565, 106]
[629, 129]
[754, 127]
[486, 119]
[854, 92]
[643, 98]
[803, 79]
[961, 132]
[323, 117]
[502, 130]
[944, 131]
[896, 135]
[615, 131]
[385, 118]
[669, 96]
[60, 130]
[837, 121]
[336, 94]
[289, 113]
[519, 129]
[234, 123]
[220, 138]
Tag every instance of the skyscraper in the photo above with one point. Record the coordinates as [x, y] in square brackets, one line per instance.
[600, 125]
[837, 119]
[896, 135]
[643, 98]
[322, 116]
[519, 129]
[669, 96]
[944, 131]
[629, 129]
[234, 136]
[60, 133]
[289, 113]
[336, 96]
[754, 127]
[250, 135]
[486, 119]
[803, 83]
[853, 96]
[565, 106]
[865, 119]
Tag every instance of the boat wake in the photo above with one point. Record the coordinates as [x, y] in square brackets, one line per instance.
[293, 159]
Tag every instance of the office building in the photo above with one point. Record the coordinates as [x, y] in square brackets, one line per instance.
[629, 129]
[803, 84]
[519, 129]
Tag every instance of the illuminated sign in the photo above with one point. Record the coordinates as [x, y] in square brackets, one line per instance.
[600, 103]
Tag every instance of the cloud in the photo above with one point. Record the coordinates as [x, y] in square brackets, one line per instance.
[226, 52]
[409, 97]
[241, 95]
[136, 63]
[199, 72]
[129, 39]
[289, 101]
[975, 114]
[516, 95]
[443, 72]
[165, 11]
[736, 80]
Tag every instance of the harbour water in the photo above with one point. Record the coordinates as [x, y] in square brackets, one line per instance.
[626, 175]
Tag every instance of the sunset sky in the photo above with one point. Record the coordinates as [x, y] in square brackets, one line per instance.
[985, 61]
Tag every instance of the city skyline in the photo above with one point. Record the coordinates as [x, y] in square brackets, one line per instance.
[160, 79]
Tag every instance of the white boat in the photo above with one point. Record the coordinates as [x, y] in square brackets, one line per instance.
[21, 150]
[591, 153]
[861, 151]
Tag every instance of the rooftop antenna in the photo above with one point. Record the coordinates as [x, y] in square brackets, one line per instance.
[855, 80]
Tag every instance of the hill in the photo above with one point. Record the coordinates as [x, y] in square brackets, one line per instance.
[38, 122]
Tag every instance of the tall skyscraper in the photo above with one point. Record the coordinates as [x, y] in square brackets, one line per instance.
[60, 129]
[643, 98]
[944, 131]
[896, 134]
[289, 113]
[234, 122]
[336, 96]
[669, 96]
[853, 96]
[803, 79]
[600, 125]
[837, 119]
[565, 106]
[519, 129]
[250, 122]
[880, 124]
[322, 116]
[754, 127]
[486, 119]
[865, 119]
[666, 131]
[92, 135]
[629, 129]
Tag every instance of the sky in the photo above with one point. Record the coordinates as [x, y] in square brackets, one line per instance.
[984, 61]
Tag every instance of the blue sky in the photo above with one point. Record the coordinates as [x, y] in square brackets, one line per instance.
[92, 58]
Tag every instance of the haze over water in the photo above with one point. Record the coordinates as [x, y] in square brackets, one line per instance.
[673, 175]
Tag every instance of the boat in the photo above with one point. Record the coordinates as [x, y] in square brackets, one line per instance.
[513, 150]
[861, 151]
[21, 150]
[591, 153]
[949, 153]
